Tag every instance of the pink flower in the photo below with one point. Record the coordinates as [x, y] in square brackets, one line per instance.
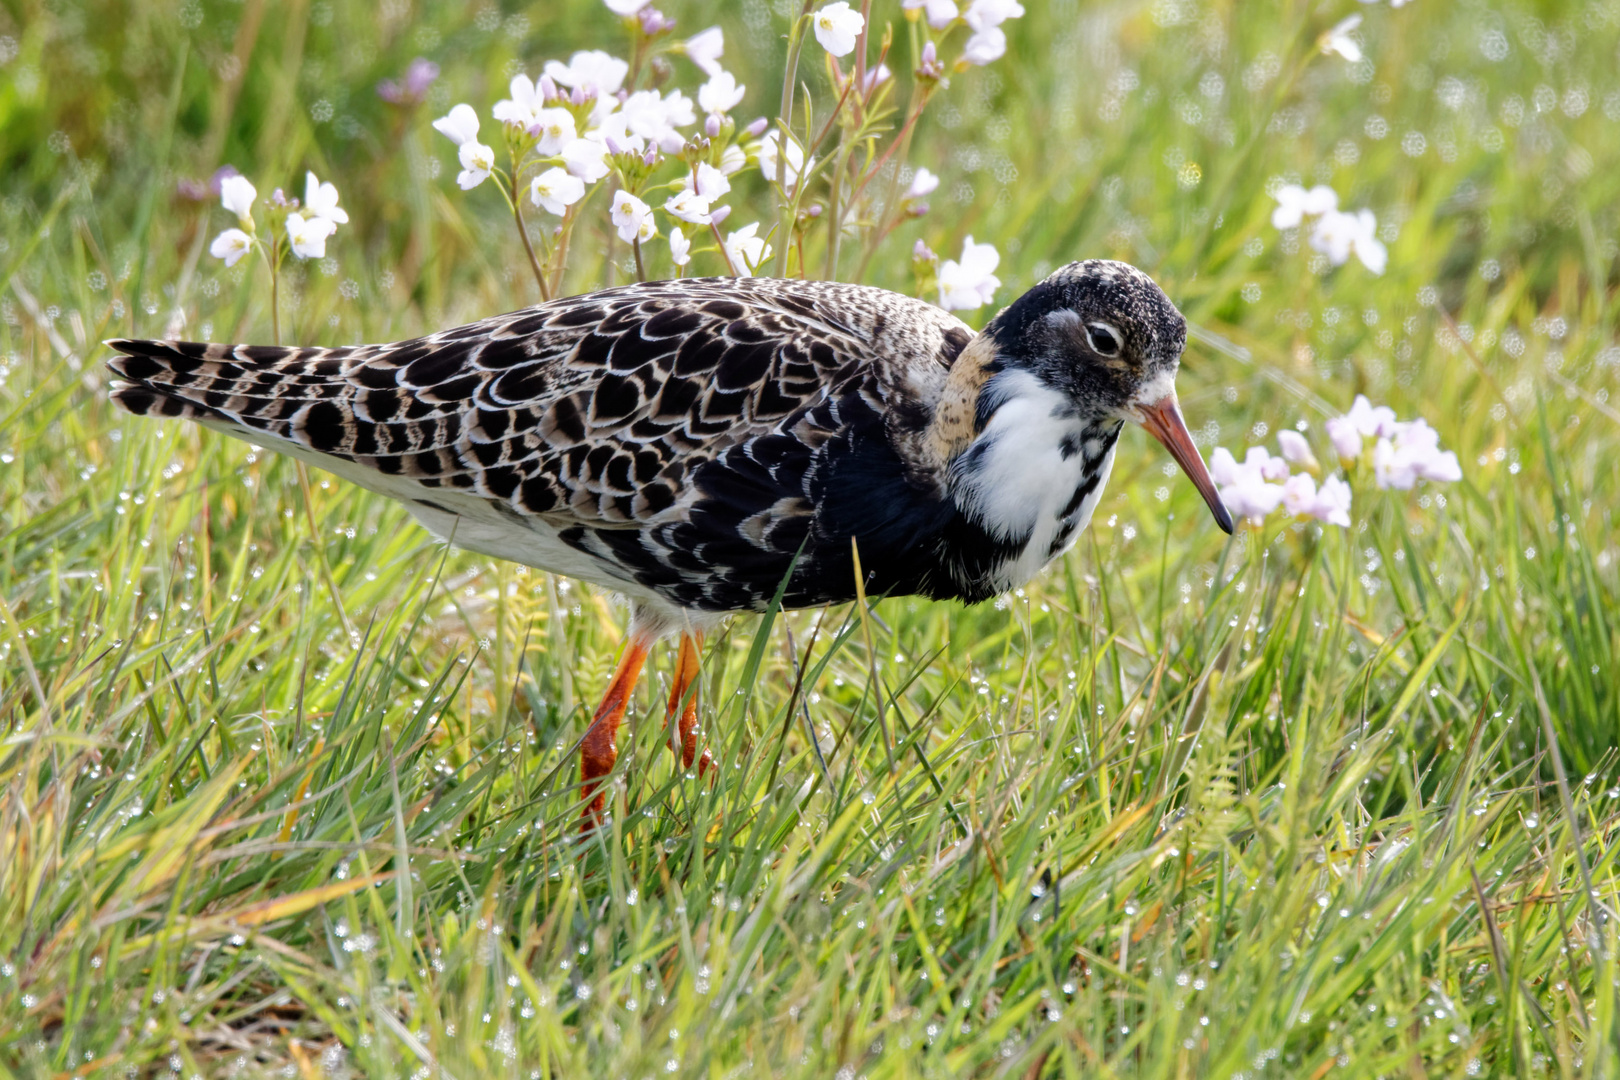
[1295, 450]
[1411, 454]
[1331, 504]
[1346, 439]
[1266, 466]
[1244, 487]
[1371, 419]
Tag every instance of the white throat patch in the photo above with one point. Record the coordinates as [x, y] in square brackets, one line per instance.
[1022, 478]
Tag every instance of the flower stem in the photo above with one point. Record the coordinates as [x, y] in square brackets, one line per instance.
[724, 254]
[641, 267]
[275, 294]
[534, 263]
[785, 121]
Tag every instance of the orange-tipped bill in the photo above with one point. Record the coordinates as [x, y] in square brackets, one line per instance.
[1163, 421]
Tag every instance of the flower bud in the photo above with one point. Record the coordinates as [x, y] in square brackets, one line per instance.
[720, 214]
[548, 89]
[711, 126]
[757, 128]
[930, 69]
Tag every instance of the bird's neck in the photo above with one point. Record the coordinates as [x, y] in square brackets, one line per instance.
[1030, 476]
[955, 423]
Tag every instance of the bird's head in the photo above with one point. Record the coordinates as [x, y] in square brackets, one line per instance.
[1105, 335]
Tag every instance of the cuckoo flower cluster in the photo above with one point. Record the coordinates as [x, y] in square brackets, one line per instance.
[1333, 232]
[1402, 453]
[306, 225]
[1256, 486]
[669, 155]
[291, 227]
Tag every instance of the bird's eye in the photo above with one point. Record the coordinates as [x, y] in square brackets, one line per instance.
[1104, 339]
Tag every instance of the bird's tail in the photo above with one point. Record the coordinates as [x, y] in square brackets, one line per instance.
[240, 386]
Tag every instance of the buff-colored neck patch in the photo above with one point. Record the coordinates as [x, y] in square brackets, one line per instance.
[952, 431]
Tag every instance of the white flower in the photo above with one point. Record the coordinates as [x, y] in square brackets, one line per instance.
[709, 182]
[705, 49]
[614, 133]
[308, 235]
[1294, 204]
[838, 26]
[680, 248]
[648, 115]
[984, 14]
[237, 194]
[556, 129]
[1295, 449]
[476, 162]
[556, 190]
[1337, 234]
[625, 8]
[688, 205]
[733, 160]
[460, 125]
[768, 163]
[922, 184]
[746, 250]
[985, 46]
[586, 159]
[721, 93]
[939, 13]
[592, 70]
[1338, 40]
[633, 217]
[231, 245]
[321, 200]
[972, 282]
[522, 109]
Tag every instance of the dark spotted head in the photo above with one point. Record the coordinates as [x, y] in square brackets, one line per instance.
[1104, 335]
[1100, 331]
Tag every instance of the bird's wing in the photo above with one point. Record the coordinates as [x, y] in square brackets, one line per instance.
[593, 410]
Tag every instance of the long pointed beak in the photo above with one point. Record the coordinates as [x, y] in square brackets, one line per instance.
[1163, 421]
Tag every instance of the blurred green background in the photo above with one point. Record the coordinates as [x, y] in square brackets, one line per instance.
[287, 788]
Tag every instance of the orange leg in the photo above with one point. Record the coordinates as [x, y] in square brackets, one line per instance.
[686, 673]
[598, 750]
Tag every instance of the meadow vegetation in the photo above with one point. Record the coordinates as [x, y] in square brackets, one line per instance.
[288, 789]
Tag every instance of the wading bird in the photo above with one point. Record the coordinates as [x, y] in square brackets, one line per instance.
[686, 443]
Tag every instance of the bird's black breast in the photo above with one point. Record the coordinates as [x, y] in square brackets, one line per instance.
[808, 497]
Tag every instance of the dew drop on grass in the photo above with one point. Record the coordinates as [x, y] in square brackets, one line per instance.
[868, 798]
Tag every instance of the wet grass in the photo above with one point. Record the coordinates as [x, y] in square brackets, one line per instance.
[287, 788]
